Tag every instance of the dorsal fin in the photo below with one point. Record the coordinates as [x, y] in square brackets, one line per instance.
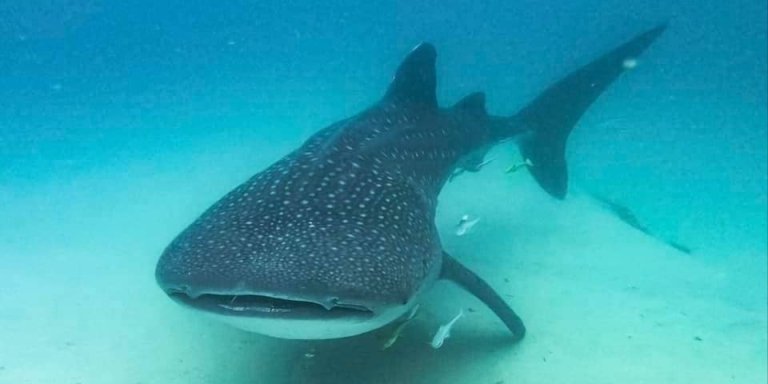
[415, 80]
[474, 103]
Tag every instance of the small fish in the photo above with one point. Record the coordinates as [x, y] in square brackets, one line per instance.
[469, 166]
[465, 224]
[396, 333]
[516, 167]
[444, 331]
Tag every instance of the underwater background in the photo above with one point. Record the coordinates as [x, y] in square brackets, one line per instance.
[120, 122]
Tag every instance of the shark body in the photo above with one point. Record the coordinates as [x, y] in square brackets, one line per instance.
[338, 237]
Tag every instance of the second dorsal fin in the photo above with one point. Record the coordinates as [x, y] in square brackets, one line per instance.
[415, 80]
[474, 104]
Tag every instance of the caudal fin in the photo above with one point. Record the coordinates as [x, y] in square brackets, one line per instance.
[552, 115]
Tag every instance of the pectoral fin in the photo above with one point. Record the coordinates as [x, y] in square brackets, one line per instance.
[461, 275]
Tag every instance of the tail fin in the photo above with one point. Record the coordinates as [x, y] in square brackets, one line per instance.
[552, 115]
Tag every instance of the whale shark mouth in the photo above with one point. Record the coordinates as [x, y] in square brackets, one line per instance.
[252, 305]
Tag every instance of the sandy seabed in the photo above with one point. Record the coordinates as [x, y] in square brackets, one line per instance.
[603, 303]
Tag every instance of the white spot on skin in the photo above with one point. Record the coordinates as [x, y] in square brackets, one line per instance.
[629, 63]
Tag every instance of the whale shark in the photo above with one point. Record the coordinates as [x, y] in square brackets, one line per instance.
[338, 237]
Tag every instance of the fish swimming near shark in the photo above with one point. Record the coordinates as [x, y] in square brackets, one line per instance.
[444, 331]
[338, 237]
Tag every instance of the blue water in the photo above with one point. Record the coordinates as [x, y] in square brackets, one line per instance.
[122, 121]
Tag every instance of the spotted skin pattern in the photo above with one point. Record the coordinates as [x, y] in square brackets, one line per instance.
[350, 213]
[346, 221]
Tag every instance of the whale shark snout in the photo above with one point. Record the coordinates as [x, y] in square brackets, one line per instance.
[289, 316]
[280, 311]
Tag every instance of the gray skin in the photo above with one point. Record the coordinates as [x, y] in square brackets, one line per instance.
[340, 233]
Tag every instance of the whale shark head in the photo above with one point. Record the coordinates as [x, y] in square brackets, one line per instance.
[332, 240]
[316, 246]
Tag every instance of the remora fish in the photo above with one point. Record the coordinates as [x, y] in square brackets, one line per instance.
[444, 331]
[338, 237]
